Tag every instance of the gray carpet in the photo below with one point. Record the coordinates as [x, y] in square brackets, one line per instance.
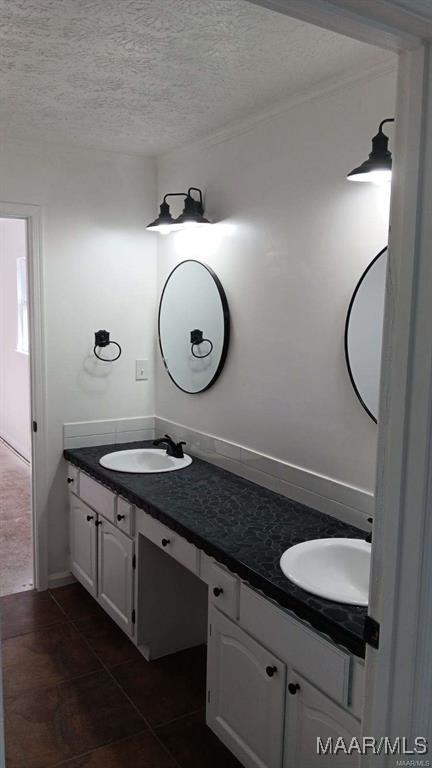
[16, 555]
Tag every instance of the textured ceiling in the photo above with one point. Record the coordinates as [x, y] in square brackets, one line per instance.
[148, 75]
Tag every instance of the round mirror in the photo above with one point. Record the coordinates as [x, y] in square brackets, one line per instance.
[363, 333]
[193, 326]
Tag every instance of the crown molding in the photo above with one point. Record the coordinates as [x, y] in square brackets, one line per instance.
[385, 23]
[247, 124]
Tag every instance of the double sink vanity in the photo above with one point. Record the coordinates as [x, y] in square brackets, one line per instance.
[179, 558]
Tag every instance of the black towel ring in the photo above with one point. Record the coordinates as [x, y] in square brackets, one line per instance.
[197, 338]
[102, 339]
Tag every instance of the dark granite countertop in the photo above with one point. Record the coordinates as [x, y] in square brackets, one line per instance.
[240, 524]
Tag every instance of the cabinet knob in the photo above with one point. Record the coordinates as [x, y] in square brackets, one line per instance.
[217, 591]
[165, 542]
[293, 688]
[98, 522]
[89, 517]
[70, 480]
[120, 517]
[271, 670]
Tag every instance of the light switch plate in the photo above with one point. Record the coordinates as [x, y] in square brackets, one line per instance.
[141, 370]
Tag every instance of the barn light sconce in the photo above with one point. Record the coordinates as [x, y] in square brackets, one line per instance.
[378, 167]
[192, 216]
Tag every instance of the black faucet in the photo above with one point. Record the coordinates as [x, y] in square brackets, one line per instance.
[173, 449]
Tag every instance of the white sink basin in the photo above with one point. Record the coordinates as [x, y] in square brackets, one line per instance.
[337, 569]
[143, 461]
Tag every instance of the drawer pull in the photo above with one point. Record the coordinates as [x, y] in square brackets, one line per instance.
[70, 480]
[89, 517]
[120, 517]
[217, 591]
[165, 542]
[271, 670]
[98, 522]
[293, 688]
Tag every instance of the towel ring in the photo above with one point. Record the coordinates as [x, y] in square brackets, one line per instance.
[197, 338]
[102, 339]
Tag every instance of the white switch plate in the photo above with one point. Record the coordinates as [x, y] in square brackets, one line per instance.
[141, 370]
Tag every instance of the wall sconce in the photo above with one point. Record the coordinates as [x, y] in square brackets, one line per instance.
[192, 216]
[378, 167]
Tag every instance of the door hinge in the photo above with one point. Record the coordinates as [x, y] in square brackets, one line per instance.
[371, 633]
[34, 426]
[133, 616]
[134, 562]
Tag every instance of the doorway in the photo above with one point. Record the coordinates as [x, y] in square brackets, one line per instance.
[16, 539]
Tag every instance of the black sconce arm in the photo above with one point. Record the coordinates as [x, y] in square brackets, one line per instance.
[201, 203]
[383, 122]
[175, 194]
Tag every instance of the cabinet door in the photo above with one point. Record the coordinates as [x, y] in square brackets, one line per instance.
[246, 694]
[312, 716]
[115, 574]
[83, 543]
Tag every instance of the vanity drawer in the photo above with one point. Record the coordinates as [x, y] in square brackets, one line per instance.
[224, 587]
[97, 496]
[170, 542]
[73, 478]
[125, 516]
[323, 664]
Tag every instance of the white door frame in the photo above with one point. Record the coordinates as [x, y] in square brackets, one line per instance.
[398, 691]
[32, 215]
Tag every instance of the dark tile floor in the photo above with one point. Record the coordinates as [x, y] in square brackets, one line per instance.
[79, 695]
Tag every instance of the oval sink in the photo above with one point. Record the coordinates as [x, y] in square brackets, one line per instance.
[337, 569]
[143, 461]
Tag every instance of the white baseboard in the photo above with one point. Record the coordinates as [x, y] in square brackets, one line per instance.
[17, 447]
[60, 579]
[347, 503]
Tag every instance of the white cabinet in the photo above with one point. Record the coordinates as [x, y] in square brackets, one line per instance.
[83, 544]
[311, 715]
[97, 496]
[260, 658]
[115, 574]
[246, 694]
[102, 559]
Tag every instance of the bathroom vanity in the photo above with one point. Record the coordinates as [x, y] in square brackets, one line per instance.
[192, 556]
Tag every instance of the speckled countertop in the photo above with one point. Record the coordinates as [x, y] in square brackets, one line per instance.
[240, 524]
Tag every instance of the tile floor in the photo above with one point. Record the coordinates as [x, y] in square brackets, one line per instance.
[16, 549]
[79, 695]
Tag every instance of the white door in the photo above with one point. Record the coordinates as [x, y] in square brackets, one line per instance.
[246, 694]
[312, 716]
[83, 543]
[115, 574]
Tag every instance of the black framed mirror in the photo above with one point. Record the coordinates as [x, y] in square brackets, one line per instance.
[193, 326]
[363, 333]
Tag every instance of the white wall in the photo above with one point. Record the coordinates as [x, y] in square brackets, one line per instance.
[14, 365]
[99, 272]
[292, 241]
